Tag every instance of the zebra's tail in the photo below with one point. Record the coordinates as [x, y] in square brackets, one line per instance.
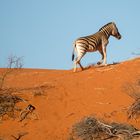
[73, 56]
[73, 51]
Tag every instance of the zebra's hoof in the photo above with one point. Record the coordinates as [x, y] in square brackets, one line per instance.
[99, 63]
[103, 65]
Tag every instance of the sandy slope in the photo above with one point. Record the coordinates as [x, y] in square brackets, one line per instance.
[69, 97]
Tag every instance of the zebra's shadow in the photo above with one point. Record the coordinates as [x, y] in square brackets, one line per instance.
[100, 66]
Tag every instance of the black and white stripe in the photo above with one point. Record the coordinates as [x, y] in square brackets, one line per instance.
[95, 42]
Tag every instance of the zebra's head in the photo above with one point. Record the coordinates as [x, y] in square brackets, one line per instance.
[115, 31]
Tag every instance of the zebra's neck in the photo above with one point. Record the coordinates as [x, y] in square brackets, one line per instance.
[106, 31]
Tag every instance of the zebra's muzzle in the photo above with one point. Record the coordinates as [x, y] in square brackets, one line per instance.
[119, 36]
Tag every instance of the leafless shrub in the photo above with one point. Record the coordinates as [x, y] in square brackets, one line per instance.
[14, 62]
[91, 128]
[7, 99]
[133, 90]
[39, 91]
[134, 110]
[8, 104]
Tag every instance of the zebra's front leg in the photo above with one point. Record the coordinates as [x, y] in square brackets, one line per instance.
[105, 56]
[101, 61]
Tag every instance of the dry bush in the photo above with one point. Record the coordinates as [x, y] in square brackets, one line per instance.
[90, 128]
[14, 63]
[134, 110]
[8, 104]
[7, 99]
[133, 90]
[38, 91]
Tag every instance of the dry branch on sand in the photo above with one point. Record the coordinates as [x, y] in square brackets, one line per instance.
[91, 128]
[28, 110]
[20, 135]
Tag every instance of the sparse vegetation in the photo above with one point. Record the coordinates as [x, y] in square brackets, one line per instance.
[134, 110]
[91, 128]
[8, 104]
[7, 98]
[14, 63]
[40, 90]
[133, 91]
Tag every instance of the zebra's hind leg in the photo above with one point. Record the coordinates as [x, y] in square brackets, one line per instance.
[75, 66]
[77, 61]
[81, 66]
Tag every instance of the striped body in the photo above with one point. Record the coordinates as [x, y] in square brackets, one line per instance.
[95, 42]
[89, 43]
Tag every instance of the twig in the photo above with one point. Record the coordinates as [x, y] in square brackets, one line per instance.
[136, 133]
[19, 135]
[29, 109]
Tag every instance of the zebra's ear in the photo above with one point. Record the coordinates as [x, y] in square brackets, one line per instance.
[113, 23]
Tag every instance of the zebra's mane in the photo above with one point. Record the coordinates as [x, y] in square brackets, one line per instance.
[105, 25]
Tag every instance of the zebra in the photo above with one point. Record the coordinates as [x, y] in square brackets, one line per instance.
[95, 42]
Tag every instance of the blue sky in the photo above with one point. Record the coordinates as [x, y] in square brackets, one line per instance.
[42, 31]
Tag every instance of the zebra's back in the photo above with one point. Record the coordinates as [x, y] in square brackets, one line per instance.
[89, 43]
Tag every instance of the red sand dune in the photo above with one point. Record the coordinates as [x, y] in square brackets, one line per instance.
[69, 97]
